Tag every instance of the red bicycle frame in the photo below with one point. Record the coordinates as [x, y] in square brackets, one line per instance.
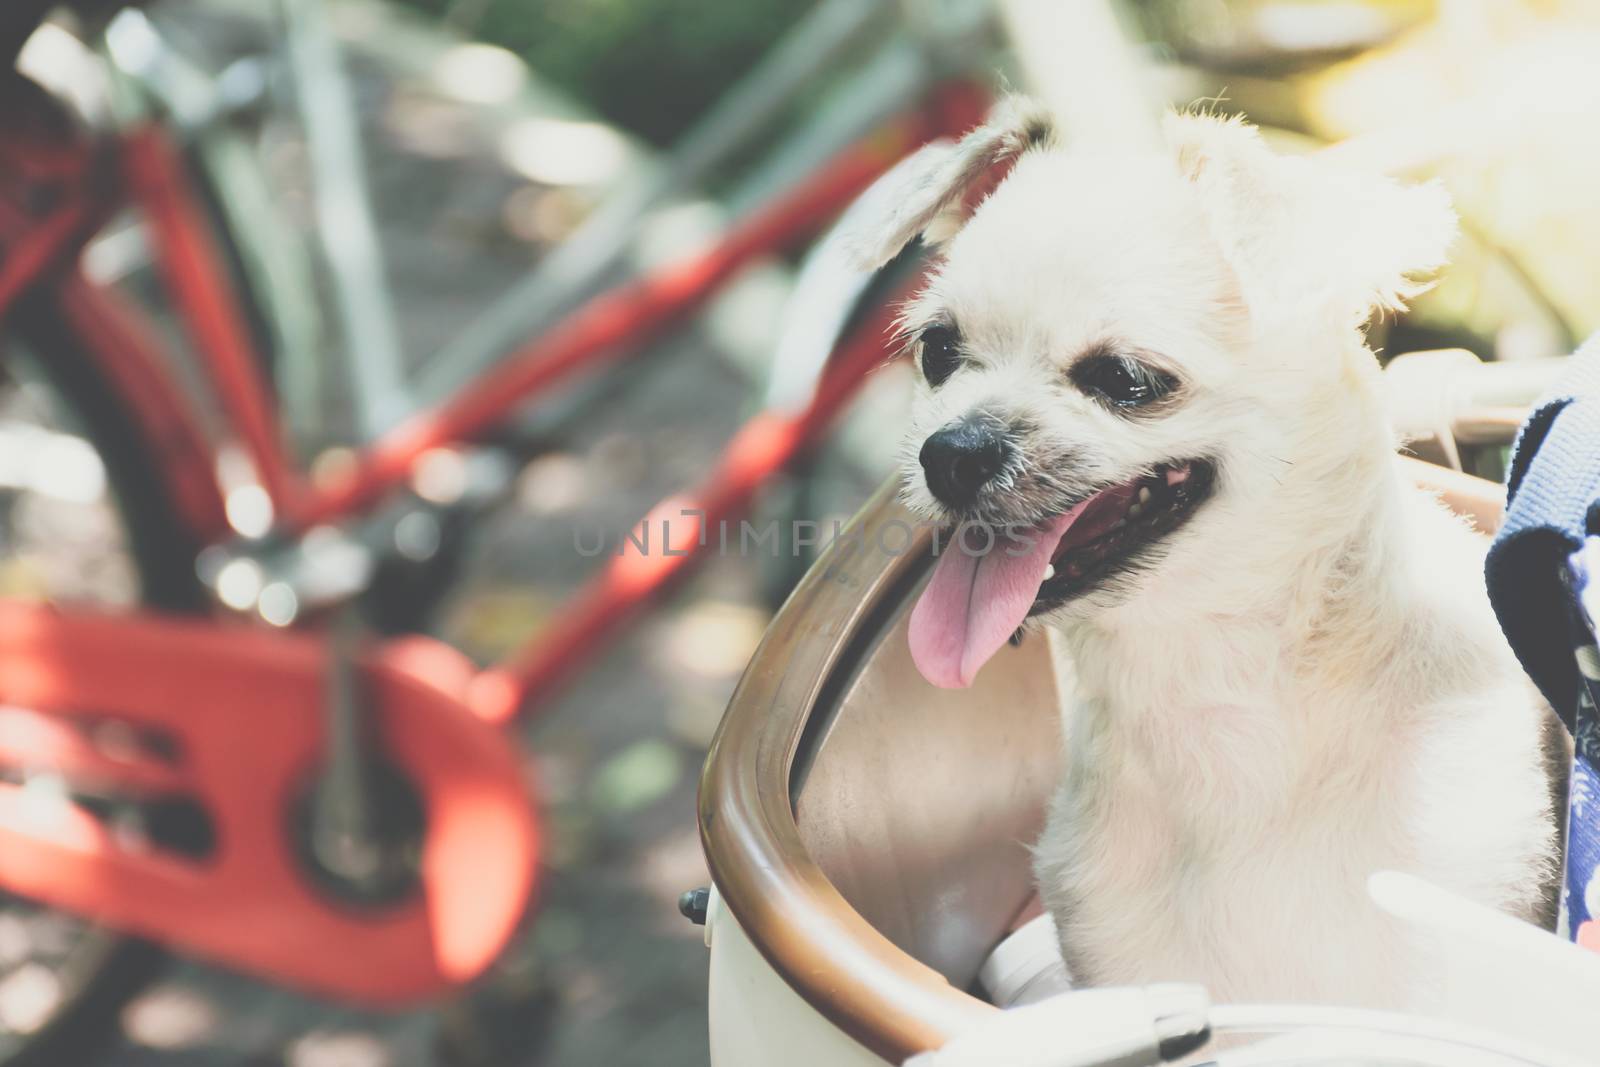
[239, 708]
[601, 331]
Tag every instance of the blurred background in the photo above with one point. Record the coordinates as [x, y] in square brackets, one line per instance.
[496, 136]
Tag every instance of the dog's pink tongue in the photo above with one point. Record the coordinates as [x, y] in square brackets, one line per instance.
[974, 602]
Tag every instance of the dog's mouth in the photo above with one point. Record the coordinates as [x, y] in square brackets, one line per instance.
[984, 587]
[1117, 525]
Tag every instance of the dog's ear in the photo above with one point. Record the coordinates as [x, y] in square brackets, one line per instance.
[927, 193]
[1303, 234]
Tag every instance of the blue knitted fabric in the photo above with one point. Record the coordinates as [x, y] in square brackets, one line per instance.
[1544, 581]
[1552, 502]
[1580, 889]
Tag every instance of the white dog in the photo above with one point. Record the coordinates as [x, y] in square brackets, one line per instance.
[1146, 392]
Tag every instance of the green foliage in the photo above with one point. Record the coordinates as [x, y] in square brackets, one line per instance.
[650, 65]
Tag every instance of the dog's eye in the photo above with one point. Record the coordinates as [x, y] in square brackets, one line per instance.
[1125, 383]
[941, 353]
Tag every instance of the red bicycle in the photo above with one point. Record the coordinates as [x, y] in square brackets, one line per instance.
[301, 801]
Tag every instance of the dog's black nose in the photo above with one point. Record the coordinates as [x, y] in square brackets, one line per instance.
[962, 458]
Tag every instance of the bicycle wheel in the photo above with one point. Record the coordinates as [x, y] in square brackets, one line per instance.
[82, 521]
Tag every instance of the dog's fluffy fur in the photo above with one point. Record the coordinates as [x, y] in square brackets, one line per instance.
[1302, 684]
